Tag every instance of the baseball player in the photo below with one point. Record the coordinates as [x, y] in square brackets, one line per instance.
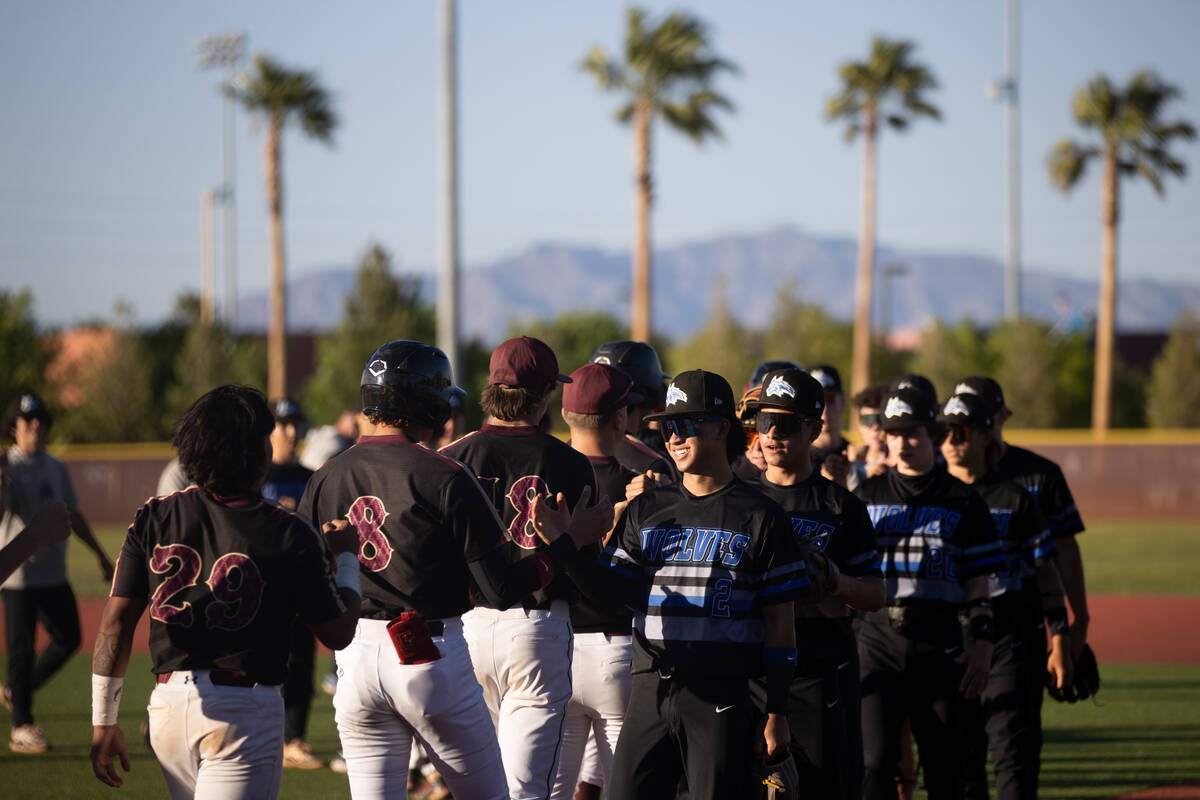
[427, 530]
[49, 526]
[286, 479]
[752, 463]
[867, 406]
[594, 408]
[38, 588]
[642, 448]
[1029, 587]
[823, 709]
[829, 450]
[938, 546]
[522, 655]
[1042, 478]
[710, 569]
[223, 572]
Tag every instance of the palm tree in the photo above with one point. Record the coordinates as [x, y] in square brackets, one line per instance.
[280, 95]
[1134, 141]
[887, 88]
[667, 72]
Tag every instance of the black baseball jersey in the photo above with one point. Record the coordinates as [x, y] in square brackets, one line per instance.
[933, 534]
[1042, 478]
[1021, 527]
[420, 515]
[514, 466]
[223, 578]
[706, 567]
[286, 482]
[828, 518]
[587, 617]
[639, 456]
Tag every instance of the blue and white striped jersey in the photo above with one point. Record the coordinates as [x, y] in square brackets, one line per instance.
[933, 534]
[707, 565]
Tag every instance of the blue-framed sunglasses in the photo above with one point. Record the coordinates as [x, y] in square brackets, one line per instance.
[683, 427]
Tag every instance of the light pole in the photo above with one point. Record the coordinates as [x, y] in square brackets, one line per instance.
[447, 291]
[888, 273]
[225, 50]
[1006, 90]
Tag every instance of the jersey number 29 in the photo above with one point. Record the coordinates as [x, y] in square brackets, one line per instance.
[234, 581]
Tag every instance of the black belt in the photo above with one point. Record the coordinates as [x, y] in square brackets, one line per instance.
[436, 627]
[220, 677]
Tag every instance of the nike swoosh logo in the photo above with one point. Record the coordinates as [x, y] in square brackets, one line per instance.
[843, 665]
[834, 703]
[723, 709]
[950, 650]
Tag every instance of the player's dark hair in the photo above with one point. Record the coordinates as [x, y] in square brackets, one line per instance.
[511, 403]
[220, 439]
[870, 397]
[385, 403]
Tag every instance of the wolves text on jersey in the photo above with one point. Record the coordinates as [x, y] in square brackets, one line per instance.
[693, 545]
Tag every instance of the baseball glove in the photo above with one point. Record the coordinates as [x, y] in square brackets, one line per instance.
[1086, 683]
[780, 780]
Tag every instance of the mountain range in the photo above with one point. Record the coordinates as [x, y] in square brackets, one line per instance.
[548, 279]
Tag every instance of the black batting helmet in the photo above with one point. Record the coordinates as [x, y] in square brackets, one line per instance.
[410, 380]
[640, 362]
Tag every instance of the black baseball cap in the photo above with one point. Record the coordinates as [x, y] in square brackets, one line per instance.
[983, 387]
[27, 406]
[792, 389]
[696, 393]
[827, 375]
[908, 408]
[967, 409]
[639, 361]
[285, 408]
[756, 377]
[914, 381]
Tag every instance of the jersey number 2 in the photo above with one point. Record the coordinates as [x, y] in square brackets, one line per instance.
[234, 581]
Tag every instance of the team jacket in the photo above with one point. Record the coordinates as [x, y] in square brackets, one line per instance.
[1042, 478]
[697, 572]
[223, 577]
[1022, 529]
[586, 616]
[514, 466]
[933, 533]
[828, 518]
[421, 517]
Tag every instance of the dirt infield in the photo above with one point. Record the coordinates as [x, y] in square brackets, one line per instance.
[1189, 792]
[1125, 629]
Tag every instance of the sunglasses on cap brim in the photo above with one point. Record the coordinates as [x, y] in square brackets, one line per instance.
[683, 427]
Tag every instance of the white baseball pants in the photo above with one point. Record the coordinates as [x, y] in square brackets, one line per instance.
[217, 742]
[522, 660]
[600, 675]
[381, 705]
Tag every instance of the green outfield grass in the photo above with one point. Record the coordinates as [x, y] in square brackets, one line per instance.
[1141, 733]
[1158, 558]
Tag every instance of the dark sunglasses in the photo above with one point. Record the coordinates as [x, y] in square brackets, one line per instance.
[960, 434]
[683, 427]
[869, 420]
[784, 424]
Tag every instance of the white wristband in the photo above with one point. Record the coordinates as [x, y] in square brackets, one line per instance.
[106, 698]
[347, 573]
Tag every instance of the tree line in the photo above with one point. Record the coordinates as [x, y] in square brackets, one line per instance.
[136, 382]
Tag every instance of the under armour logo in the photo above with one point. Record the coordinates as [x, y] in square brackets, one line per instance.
[675, 395]
[897, 408]
[955, 407]
[780, 388]
[377, 367]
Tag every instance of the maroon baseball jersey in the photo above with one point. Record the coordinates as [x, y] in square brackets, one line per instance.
[515, 465]
[420, 515]
[223, 577]
[587, 617]
[639, 456]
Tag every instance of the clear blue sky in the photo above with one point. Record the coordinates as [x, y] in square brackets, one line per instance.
[111, 133]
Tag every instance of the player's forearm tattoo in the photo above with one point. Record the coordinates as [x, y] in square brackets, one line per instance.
[105, 653]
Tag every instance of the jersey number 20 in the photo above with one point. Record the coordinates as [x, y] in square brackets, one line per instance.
[234, 581]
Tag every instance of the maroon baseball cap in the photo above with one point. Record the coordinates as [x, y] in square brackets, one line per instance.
[524, 362]
[599, 389]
